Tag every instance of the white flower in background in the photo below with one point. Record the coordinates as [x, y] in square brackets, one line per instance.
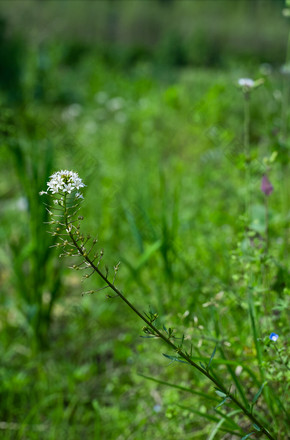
[71, 112]
[22, 204]
[285, 70]
[277, 95]
[246, 82]
[64, 182]
[115, 104]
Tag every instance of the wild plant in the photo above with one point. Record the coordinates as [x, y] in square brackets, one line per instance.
[244, 410]
[36, 272]
[250, 396]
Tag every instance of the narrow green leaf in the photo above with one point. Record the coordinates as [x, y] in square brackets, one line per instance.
[182, 340]
[229, 417]
[211, 418]
[148, 337]
[226, 399]
[175, 359]
[211, 358]
[215, 429]
[147, 254]
[256, 397]
[220, 393]
[225, 419]
[231, 362]
[204, 415]
[257, 428]
[247, 436]
[179, 387]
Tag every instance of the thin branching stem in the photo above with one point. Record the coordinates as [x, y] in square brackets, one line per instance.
[184, 355]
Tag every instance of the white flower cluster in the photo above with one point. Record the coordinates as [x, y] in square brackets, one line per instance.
[246, 82]
[64, 182]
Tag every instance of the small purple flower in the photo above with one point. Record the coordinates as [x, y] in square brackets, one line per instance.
[266, 185]
[273, 337]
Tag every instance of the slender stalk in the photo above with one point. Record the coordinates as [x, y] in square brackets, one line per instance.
[284, 134]
[250, 283]
[247, 152]
[252, 313]
[284, 109]
[266, 224]
[158, 333]
[285, 95]
[247, 207]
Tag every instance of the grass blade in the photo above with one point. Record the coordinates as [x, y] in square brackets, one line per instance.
[181, 388]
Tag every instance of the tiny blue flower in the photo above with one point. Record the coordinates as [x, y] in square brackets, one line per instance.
[273, 337]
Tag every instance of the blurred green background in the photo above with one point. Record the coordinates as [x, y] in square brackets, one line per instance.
[141, 99]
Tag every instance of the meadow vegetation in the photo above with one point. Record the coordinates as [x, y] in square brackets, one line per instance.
[182, 188]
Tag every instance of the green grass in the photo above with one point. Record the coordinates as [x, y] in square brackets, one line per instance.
[159, 152]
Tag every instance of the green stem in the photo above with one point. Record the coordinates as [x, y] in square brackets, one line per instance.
[159, 334]
[247, 152]
[285, 93]
[266, 224]
[252, 313]
[284, 108]
[251, 305]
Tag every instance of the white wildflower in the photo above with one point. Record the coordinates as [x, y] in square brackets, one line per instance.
[22, 204]
[246, 82]
[71, 112]
[115, 104]
[64, 181]
[285, 70]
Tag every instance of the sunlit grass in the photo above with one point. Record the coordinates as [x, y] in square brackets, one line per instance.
[159, 152]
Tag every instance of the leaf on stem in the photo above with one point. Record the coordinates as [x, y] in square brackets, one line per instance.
[247, 436]
[211, 358]
[175, 359]
[220, 393]
[257, 428]
[168, 331]
[225, 400]
[148, 337]
[257, 395]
